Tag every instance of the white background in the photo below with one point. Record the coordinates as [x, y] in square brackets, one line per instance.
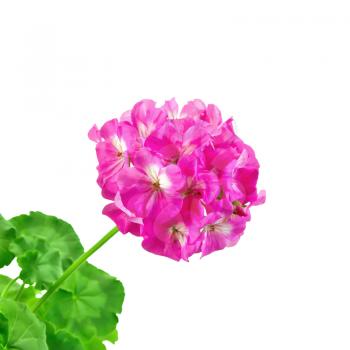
[281, 68]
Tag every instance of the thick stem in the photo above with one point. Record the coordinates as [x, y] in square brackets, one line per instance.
[77, 263]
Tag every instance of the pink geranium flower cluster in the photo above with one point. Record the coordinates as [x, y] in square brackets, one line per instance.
[182, 180]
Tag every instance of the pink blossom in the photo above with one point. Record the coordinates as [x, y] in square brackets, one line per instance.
[116, 141]
[221, 231]
[179, 178]
[168, 233]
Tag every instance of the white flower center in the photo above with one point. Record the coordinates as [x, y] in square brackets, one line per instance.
[153, 171]
[119, 144]
[179, 232]
[145, 130]
[219, 227]
[159, 181]
[164, 181]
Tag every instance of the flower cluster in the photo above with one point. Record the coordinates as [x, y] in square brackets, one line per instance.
[182, 180]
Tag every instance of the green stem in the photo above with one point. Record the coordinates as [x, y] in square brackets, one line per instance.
[77, 263]
[7, 288]
[20, 291]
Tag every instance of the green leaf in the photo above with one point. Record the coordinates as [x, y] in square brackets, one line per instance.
[50, 244]
[86, 306]
[62, 340]
[7, 235]
[41, 266]
[4, 331]
[27, 296]
[25, 331]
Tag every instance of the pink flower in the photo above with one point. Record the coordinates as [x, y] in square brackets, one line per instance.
[147, 118]
[180, 179]
[116, 141]
[168, 233]
[220, 232]
[150, 184]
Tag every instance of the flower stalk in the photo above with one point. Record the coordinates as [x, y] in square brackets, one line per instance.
[76, 264]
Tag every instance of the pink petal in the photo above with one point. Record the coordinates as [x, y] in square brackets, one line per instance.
[171, 179]
[164, 147]
[192, 210]
[209, 186]
[196, 136]
[146, 117]
[145, 159]
[213, 115]
[94, 134]
[138, 201]
[160, 239]
[188, 165]
[171, 108]
[123, 222]
[227, 233]
[132, 177]
[246, 179]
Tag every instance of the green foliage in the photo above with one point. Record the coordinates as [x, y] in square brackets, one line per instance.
[80, 315]
[62, 340]
[20, 328]
[45, 246]
[86, 306]
[26, 296]
[7, 235]
[41, 266]
[4, 331]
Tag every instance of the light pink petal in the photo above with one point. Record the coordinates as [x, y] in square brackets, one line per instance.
[94, 134]
[146, 161]
[261, 198]
[119, 204]
[171, 178]
[171, 108]
[221, 159]
[126, 117]
[196, 136]
[226, 234]
[139, 201]
[132, 177]
[122, 221]
[226, 136]
[110, 129]
[209, 186]
[213, 115]
[160, 237]
[163, 147]
[110, 164]
[129, 136]
[193, 109]
[147, 118]
[109, 188]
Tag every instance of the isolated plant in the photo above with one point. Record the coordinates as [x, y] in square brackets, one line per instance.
[183, 181]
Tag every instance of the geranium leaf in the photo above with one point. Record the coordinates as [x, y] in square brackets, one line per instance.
[41, 267]
[4, 331]
[27, 295]
[62, 340]
[94, 344]
[50, 244]
[25, 331]
[7, 235]
[86, 306]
